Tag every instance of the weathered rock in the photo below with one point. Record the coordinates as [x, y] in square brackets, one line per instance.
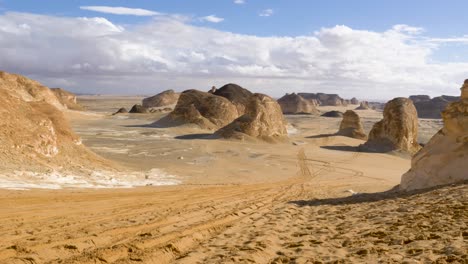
[122, 110]
[206, 110]
[332, 114]
[351, 126]
[295, 104]
[363, 106]
[354, 101]
[263, 119]
[432, 108]
[138, 109]
[324, 99]
[443, 160]
[165, 98]
[237, 95]
[419, 98]
[212, 90]
[397, 131]
[67, 99]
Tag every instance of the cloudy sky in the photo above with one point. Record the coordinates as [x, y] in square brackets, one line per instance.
[367, 49]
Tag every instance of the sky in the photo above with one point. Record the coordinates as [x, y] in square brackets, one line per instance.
[365, 49]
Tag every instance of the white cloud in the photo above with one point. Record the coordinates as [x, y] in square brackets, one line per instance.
[116, 10]
[96, 55]
[212, 19]
[239, 2]
[267, 12]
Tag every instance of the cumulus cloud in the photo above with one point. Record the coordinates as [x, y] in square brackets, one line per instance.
[239, 2]
[266, 13]
[212, 19]
[117, 10]
[96, 55]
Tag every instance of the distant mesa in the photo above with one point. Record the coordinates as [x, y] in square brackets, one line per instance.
[443, 160]
[263, 120]
[162, 99]
[295, 104]
[351, 126]
[325, 99]
[138, 109]
[333, 114]
[432, 108]
[397, 131]
[235, 94]
[67, 99]
[354, 101]
[122, 110]
[206, 110]
[364, 105]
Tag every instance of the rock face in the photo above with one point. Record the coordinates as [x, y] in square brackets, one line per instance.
[237, 95]
[443, 160]
[363, 106]
[397, 131]
[324, 99]
[351, 126]
[354, 101]
[333, 114]
[204, 109]
[431, 108]
[138, 109]
[122, 110]
[212, 90]
[295, 104]
[67, 99]
[165, 98]
[263, 119]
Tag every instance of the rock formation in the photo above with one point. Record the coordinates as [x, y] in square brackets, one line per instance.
[263, 119]
[324, 99]
[431, 108]
[138, 109]
[212, 90]
[295, 104]
[122, 110]
[397, 131]
[443, 160]
[237, 95]
[165, 98]
[363, 106]
[67, 99]
[333, 114]
[351, 126]
[354, 101]
[206, 110]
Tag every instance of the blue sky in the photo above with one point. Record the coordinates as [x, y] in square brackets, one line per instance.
[434, 38]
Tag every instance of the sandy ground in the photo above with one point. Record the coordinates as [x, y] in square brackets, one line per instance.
[237, 202]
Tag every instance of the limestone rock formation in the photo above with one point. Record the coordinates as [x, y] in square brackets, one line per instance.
[67, 99]
[138, 109]
[237, 95]
[363, 106]
[333, 114]
[295, 104]
[122, 110]
[432, 108]
[324, 99]
[419, 98]
[165, 98]
[354, 101]
[443, 160]
[206, 110]
[397, 131]
[263, 119]
[351, 126]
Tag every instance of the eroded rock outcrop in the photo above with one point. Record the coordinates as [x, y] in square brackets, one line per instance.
[237, 95]
[364, 105]
[122, 110]
[295, 104]
[162, 99]
[432, 108]
[67, 99]
[354, 101]
[443, 160]
[206, 110]
[351, 126]
[324, 99]
[397, 131]
[138, 109]
[263, 119]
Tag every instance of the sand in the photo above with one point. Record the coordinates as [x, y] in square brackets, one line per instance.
[236, 202]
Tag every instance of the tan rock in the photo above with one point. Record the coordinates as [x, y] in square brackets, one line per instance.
[354, 101]
[67, 99]
[263, 119]
[364, 105]
[397, 131]
[295, 104]
[351, 126]
[162, 99]
[236, 94]
[204, 109]
[443, 160]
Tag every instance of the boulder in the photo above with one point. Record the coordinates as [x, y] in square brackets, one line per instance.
[397, 131]
[67, 99]
[122, 110]
[295, 104]
[237, 95]
[363, 106]
[138, 109]
[351, 126]
[354, 101]
[263, 119]
[206, 110]
[333, 114]
[165, 98]
[443, 160]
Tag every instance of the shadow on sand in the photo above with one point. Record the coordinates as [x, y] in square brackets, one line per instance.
[322, 136]
[206, 136]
